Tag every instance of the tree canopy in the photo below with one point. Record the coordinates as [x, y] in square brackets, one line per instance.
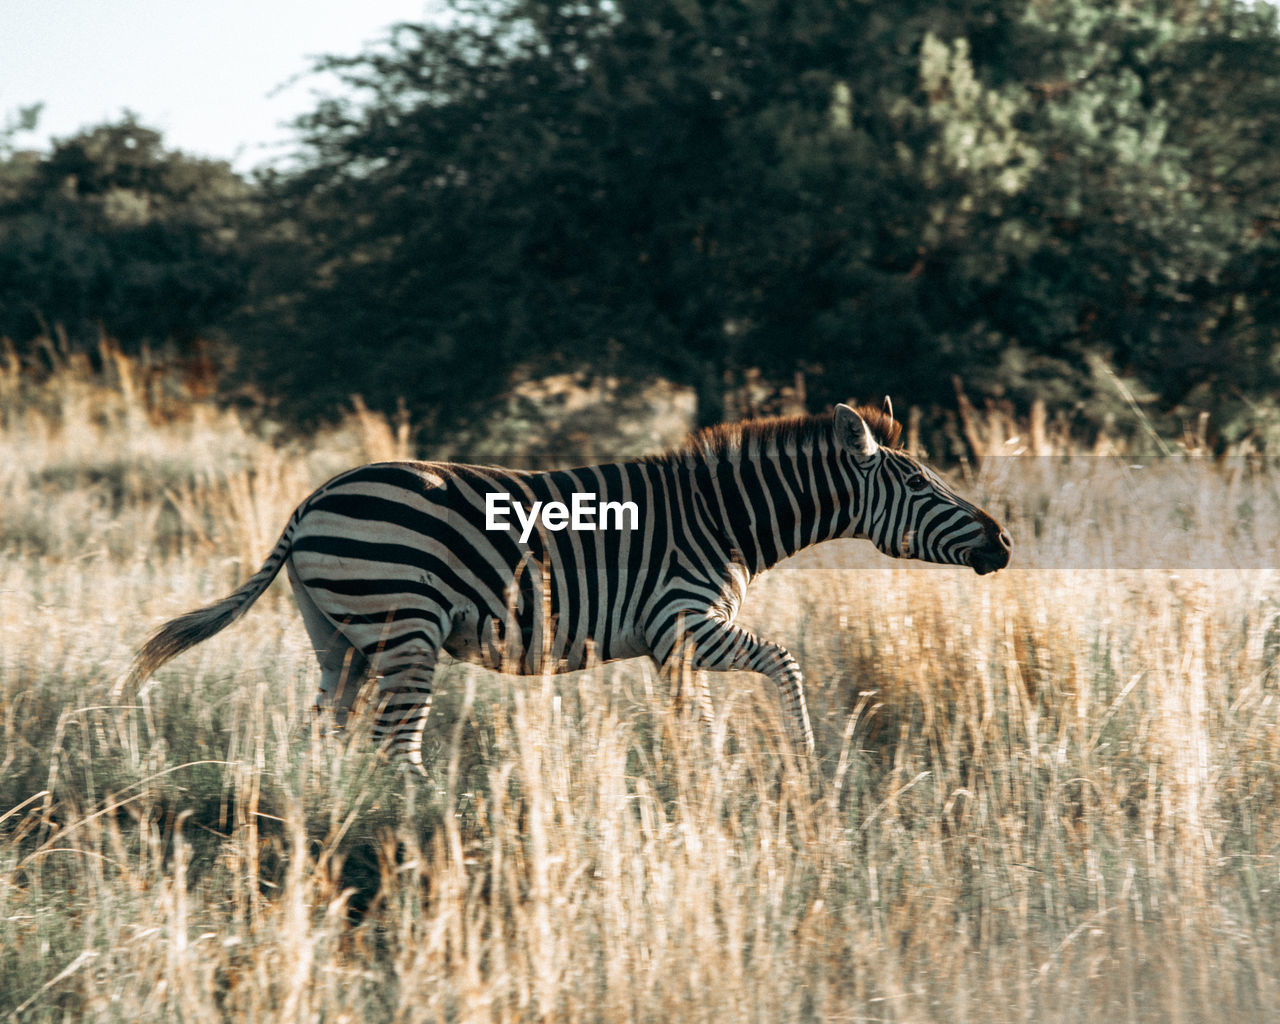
[112, 232]
[882, 197]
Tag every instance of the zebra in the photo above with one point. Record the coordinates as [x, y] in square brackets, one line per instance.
[393, 563]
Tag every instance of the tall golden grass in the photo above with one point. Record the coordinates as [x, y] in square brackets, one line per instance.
[1047, 795]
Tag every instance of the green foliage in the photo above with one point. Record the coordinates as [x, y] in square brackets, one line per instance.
[1106, 190]
[885, 199]
[24, 120]
[697, 188]
[1158, 189]
[686, 189]
[111, 232]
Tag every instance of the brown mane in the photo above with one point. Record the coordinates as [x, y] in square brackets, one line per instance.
[782, 431]
[884, 428]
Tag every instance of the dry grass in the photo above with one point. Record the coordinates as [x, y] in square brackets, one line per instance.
[1047, 795]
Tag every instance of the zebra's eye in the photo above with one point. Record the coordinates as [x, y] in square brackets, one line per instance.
[917, 482]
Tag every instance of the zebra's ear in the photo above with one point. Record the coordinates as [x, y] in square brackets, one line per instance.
[852, 433]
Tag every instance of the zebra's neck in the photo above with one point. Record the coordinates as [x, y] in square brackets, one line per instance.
[772, 497]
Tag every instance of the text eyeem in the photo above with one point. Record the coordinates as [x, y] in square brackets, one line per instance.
[579, 514]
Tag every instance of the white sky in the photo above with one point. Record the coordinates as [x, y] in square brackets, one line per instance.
[202, 72]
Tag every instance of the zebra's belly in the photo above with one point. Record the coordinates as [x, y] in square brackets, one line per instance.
[526, 650]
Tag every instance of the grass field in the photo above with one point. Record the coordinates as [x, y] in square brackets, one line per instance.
[1046, 795]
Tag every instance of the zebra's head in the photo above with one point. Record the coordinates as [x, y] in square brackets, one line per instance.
[908, 511]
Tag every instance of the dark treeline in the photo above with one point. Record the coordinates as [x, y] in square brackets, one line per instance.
[1031, 195]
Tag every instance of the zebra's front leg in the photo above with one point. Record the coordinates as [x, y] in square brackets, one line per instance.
[710, 643]
[682, 678]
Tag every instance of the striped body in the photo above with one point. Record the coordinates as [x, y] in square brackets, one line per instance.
[412, 537]
[392, 563]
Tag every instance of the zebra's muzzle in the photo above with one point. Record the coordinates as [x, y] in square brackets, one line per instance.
[994, 554]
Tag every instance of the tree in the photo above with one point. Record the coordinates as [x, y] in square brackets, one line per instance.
[686, 188]
[112, 232]
[1144, 140]
[694, 187]
[24, 120]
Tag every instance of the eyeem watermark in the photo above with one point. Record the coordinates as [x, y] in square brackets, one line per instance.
[579, 514]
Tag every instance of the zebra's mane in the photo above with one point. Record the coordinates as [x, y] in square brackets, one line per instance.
[727, 440]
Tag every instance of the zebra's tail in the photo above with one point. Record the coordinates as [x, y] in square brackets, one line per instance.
[177, 635]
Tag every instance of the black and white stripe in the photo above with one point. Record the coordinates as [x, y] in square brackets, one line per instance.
[392, 563]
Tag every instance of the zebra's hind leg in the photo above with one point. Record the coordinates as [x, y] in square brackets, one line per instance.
[403, 706]
[404, 674]
[343, 669]
[355, 638]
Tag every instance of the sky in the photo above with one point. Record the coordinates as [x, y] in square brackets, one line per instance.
[213, 76]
